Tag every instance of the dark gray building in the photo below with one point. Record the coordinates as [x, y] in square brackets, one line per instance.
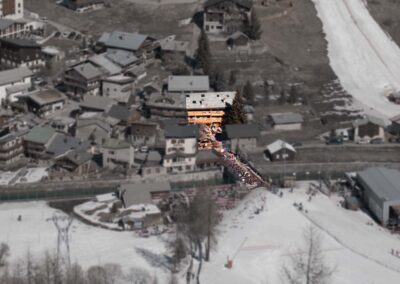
[381, 192]
[242, 136]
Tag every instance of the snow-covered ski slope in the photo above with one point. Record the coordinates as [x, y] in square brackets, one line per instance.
[365, 59]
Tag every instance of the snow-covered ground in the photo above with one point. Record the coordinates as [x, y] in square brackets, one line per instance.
[89, 245]
[365, 59]
[258, 243]
[261, 243]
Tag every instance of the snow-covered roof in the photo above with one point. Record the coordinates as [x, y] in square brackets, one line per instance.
[278, 145]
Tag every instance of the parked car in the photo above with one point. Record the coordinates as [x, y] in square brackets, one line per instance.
[377, 141]
[394, 140]
[296, 144]
[334, 141]
[363, 141]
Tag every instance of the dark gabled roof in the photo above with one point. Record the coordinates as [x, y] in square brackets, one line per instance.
[77, 157]
[138, 193]
[61, 144]
[369, 119]
[144, 128]
[40, 134]
[244, 3]
[206, 156]
[20, 42]
[286, 118]
[122, 113]
[48, 96]
[242, 131]
[181, 131]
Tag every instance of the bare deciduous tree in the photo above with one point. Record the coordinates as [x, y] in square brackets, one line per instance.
[4, 254]
[306, 265]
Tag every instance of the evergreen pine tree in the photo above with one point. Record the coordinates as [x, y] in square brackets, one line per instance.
[282, 97]
[218, 81]
[293, 95]
[266, 93]
[203, 55]
[252, 26]
[232, 78]
[234, 114]
[248, 92]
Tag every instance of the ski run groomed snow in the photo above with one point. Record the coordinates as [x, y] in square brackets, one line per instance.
[365, 59]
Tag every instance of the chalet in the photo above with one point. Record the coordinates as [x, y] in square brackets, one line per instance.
[207, 159]
[143, 193]
[122, 58]
[226, 16]
[180, 148]
[104, 64]
[280, 151]
[75, 162]
[62, 143]
[36, 141]
[123, 114]
[118, 87]
[96, 104]
[12, 29]
[12, 9]
[238, 39]
[96, 129]
[11, 146]
[150, 163]
[170, 45]
[139, 201]
[45, 102]
[368, 128]
[143, 133]
[82, 79]
[395, 126]
[285, 121]
[14, 82]
[142, 46]
[117, 153]
[242, 136]
[21, 52]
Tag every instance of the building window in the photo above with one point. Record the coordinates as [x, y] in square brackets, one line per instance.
[173, 141]
[111, 152]
[187, 167]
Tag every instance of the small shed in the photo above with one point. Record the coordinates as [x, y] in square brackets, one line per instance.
[286, 121]
[280, 151]
[238, 39]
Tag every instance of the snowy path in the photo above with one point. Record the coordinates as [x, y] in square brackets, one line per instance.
[365, 59]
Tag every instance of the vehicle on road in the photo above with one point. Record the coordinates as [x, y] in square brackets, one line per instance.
[363, 141]
[334, 141]
[377, 141]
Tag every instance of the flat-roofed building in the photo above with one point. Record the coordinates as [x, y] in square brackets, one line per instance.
[381, 193]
